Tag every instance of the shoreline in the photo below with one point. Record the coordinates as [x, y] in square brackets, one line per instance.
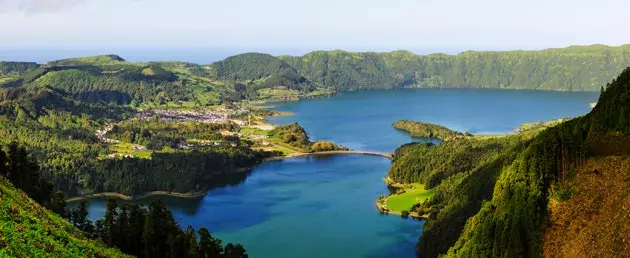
[381, 202]
[331, 153]
[381, 207]
[138, 197]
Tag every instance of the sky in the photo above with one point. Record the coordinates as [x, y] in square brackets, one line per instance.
[193, 28]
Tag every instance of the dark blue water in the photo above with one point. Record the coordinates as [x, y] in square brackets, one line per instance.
[324, 206]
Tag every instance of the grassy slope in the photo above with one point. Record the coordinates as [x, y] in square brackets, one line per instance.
[404, 201]
[29, 230]
[595, 221]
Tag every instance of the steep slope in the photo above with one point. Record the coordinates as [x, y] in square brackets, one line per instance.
[579, 68]
[594, 221]
[16, 68]
[510, 223]
[514, 202]
[255, 71]
[29, 230]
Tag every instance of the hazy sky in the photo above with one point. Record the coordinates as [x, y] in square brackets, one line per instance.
[314, 24]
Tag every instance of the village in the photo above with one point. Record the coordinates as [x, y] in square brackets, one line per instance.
[217, 116]
[131, 150]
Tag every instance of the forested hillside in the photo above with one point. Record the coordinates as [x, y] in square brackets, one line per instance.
[579, 68]
[255, 76]
[27, 229]
[495, 203]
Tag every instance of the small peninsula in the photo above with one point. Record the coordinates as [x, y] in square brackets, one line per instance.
[427, 130]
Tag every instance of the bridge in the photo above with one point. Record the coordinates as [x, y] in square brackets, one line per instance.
[349, 152]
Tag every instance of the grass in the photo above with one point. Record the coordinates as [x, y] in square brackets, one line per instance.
[253, 131]
[278, 93]
[29, 230]
[412, 195]
[126, 149]
[283, 150]
[5, 79]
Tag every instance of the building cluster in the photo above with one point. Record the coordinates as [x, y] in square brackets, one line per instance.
[186, 115]
[100, 134]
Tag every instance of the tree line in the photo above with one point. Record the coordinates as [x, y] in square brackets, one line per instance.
[151, 232]
[131, 228]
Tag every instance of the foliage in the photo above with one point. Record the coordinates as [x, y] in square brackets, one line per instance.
[293, 135]
[429, 164]
[405, 201]
[320, 146]
[153, 233]
[16, 68]
[504, 200]
[582, 68]
[184, 172]
[29, 230]
[426, 130]
[157, 134]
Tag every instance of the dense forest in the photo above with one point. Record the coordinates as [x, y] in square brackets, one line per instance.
[491, 195]
[255, 76]
[59, 132]
[486, 190]
[294, 136]
[130, 228]
[578, 68]
[426, 130]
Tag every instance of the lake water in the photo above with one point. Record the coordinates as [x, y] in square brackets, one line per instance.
[324, 206]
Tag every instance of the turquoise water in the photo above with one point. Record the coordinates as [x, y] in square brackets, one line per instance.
[324, 206]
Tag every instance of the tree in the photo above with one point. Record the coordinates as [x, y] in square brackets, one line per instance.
[14, 164]
[3, 163]
[58, 204]
[122, 226]
[79, 216]
[208, 246]
[159, 223]
[235, 251]
[137, 216]
[191, 242]
[109, 222]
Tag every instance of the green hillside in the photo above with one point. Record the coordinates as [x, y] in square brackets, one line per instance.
[29, 230]
[580, 68]
[491, 196]
[256, 76]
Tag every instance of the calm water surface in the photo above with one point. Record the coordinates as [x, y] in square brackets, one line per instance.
[324, 206]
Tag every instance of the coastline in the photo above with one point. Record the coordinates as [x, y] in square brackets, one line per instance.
[138, 197]
[381, 202]
[382, 209]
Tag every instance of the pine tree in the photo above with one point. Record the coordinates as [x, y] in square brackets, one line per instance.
[79, 216]
[208, 246]
[58, 204]
[235, 251]
[122, 226]
[158, 225]
[137, 216]
[191, 244]
[3, 163]
[109, 222]
[14, 164]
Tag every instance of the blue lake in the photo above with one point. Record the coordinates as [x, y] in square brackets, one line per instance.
[324, 206]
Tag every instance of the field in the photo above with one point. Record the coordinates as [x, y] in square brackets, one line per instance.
[127, 149]
[412, 195]
[4, 79]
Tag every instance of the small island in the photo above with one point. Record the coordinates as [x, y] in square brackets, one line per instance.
[427, 130]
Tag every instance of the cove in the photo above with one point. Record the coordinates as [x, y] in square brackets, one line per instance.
[323, 206]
